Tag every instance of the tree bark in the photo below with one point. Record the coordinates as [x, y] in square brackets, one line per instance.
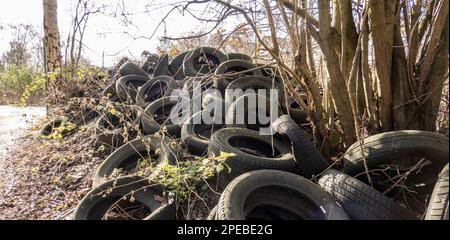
[349, 37]
[51, 36]
[382, 13]
[337, 82]
[428, 109]
[401, 92]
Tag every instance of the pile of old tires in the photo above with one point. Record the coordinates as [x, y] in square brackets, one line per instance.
[271, 177]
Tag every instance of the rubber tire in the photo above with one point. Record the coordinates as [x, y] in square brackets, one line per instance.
[166, 212]
[110, 139]
[85, 116]
[239, 56]
[130, 68]
[151, 87]
[244, 162]
[149, 63]
[360, 201]
[121, 62]
[111, 93]
[382, 148]
[189, 68]
[188, 86]
[270, 72]
[438, 206]
[124, 90]
[310, 162]
[129, 154]
[107, 121]
[51, 125]
[231, 119]
[296, 112]
[212, 214]
[387, 147]
[176, 66]
[233, 201]
[196, 144]
[94, 205]
[258, 82]
[161, 67]
[150, 126]
[234, 66]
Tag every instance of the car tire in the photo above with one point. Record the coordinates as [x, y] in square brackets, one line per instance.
[310, 162]
[438, 206]
[128, 86]
[296, 112]
[191, 134]
[127, 156]
[258, 189]
[160, 108]
[252, 151]
[161, 67]
[158, 87]
[129, 68]
[360, 201]
[239, 67]
[394, 153]
[192, 69]
[239, 56]
[49, 127]
[176, 66]
[99, 200]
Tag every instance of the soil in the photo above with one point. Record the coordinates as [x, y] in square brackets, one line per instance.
[45, 179]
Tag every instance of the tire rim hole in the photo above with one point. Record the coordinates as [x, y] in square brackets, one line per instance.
[254, 146]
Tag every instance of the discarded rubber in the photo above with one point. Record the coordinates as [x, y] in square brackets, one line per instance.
[403, 150]
[129, 68]
[197, 136]
[239, 56]
[202, 61]
[252, 151]
[99, 200]
[256, 190]
[157, 117]
[310, 161]
[154, 89]
[151, 150]
[128, 86]
[360, 201]
[439, 201]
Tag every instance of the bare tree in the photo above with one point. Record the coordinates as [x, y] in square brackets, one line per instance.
[381, 64]
[74, 44]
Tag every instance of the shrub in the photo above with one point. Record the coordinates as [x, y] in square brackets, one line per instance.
[22, 81]
[16, 78]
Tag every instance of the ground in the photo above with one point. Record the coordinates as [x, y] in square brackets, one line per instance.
[45, 179]
[42, 179]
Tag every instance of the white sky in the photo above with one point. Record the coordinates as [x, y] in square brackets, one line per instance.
[113, 41]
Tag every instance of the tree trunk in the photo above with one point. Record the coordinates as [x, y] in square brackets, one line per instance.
[337, 82]
[428, 109]
[382, 13]
[51, 38]
[401, 92]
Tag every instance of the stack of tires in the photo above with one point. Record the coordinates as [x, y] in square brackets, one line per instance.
[276, 176]
[298, 190]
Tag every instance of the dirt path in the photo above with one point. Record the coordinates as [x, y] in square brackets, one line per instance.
[14, 121]
[43, 179]
[14, 124]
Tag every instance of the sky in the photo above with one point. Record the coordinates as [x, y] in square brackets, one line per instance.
[104, 33]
